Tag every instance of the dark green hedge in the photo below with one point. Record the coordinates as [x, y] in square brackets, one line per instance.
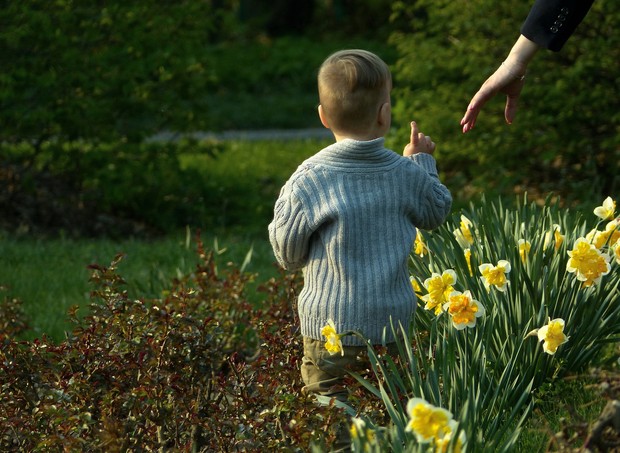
[104, 70]
[98, 70]
[110, 189]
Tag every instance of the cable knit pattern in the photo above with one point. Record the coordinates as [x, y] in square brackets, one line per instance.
[348, 217]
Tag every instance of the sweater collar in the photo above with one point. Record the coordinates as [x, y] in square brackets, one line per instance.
[357, 154]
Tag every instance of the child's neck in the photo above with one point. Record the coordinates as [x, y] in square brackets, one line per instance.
[358, 137]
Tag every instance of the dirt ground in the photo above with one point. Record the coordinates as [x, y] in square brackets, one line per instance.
[599, 435]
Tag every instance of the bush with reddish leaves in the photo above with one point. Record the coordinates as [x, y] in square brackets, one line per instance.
[200, 369]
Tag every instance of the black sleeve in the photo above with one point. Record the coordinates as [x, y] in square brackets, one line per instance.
[551, 22]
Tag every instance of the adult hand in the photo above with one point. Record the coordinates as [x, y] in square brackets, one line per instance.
[508, 79]
[504, 80]
[418, 142]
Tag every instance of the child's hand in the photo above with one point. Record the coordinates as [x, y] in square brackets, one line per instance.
[419, 142]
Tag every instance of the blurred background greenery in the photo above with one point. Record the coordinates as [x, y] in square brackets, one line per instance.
[84, 86]
[85, 83]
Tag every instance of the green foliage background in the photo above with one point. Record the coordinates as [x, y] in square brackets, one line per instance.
[98, 71]
[92, 71]
[84, 84]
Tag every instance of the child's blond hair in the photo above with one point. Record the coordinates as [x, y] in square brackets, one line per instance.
[353, 84]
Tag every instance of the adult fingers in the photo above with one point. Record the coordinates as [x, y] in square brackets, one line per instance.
[469, 119]
[510, 111]
[489, 88]
[475, 105]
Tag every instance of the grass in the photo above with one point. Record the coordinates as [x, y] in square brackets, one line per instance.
[50, 275]
[565, 406]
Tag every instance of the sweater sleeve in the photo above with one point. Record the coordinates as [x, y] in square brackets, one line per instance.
[435, 200]
[551, 22]
[289, 231]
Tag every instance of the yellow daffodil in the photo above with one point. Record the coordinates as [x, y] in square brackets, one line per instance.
[607, 210]
[552, 335]
[556, 235]
[463, 233]
[420, 247]
[463, 309]
[439, 288]
[359, 431]
[333, 343]
[495, 275]
[612, 229]
[615, 249]
[524, 249]
[467, 253]
[427, 421]
[416, 286]
[587, 262]
[442, 443]
[608, 237]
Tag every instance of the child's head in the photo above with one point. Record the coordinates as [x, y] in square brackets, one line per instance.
[354, 88]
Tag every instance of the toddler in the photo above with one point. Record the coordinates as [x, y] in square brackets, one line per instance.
[348, 217]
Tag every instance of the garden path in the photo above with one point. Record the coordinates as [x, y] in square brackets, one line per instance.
[251, 135]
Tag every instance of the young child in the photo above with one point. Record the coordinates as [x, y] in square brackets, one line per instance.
[348, 217]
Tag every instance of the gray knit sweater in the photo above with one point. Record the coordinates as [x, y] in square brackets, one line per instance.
[348, 217]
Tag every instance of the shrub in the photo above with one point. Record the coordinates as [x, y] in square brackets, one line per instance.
[12, 319]
[127, 189]
[112, 189]
[199, 370]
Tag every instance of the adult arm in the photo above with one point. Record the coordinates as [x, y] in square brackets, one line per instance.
[548, 25]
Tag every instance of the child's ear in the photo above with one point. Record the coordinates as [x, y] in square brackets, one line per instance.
[323, 118]
[385, 114]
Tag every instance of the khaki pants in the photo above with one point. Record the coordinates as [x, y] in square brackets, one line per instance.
[325, 374]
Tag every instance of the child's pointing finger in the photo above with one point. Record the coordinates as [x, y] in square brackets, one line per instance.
[414, 133]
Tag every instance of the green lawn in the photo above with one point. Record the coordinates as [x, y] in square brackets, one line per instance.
[51, 275]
